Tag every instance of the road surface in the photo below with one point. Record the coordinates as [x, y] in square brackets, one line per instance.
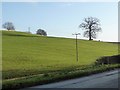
[103, 80]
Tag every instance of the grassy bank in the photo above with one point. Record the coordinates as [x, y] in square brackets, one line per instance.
[55, 76]
[26, 55]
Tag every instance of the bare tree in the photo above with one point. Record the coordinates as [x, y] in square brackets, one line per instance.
[92, 27]
[8, 26]
[41, 32]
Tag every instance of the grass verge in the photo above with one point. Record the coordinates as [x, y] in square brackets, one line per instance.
[55, 76]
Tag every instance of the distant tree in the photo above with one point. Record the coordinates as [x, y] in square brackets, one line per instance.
[8, 26]
[92, 27]
[41, 32]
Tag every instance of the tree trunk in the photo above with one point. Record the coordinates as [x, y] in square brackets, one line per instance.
[90, 36]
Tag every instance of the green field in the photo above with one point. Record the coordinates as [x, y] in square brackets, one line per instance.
[29, 59]
[26, 54]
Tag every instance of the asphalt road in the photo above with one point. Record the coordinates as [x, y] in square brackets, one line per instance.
[102, 80]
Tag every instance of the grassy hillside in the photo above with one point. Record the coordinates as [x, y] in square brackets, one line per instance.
[25, 54]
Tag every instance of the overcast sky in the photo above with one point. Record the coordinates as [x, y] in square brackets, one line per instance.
[61, 19]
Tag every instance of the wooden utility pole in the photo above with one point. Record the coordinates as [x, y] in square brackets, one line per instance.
[76, 34]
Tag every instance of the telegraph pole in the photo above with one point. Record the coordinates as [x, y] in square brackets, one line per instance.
[29, 29]
[76, 34]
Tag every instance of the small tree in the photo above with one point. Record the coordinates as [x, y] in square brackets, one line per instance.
[91, 25]
[41, 32]
[8, 26]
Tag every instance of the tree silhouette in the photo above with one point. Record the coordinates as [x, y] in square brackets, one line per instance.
[41, 32]
[92, 27]
[8, 26]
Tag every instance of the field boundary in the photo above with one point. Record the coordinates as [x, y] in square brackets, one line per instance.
[55, 77]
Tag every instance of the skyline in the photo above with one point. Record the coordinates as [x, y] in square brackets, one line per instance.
[61, 19]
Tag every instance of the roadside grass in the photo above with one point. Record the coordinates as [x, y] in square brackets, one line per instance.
[26, 55]
[55, 76]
